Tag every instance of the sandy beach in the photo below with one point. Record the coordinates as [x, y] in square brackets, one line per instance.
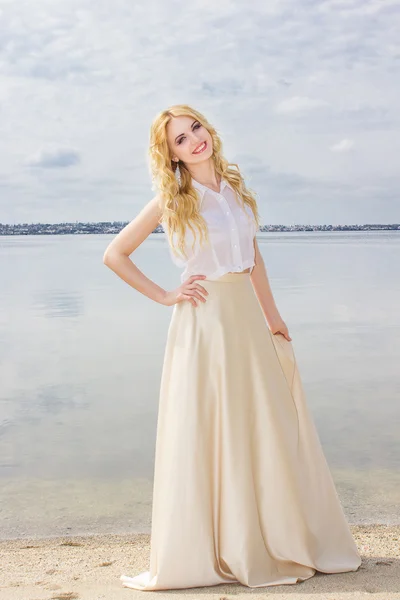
[88, 568]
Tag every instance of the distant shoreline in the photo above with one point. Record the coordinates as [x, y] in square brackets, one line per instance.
[114, 227]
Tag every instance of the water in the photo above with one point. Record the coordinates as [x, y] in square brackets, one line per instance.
[80, 366]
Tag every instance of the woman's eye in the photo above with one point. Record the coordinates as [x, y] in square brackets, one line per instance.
[196, 126]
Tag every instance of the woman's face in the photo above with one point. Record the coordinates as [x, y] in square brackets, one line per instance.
[188, 140]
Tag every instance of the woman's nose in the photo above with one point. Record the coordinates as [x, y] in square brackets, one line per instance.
[194, 138]
[194, 141]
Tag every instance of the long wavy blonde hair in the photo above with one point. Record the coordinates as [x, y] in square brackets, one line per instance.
[180, 203]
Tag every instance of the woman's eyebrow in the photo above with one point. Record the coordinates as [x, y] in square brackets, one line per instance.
[178, 136]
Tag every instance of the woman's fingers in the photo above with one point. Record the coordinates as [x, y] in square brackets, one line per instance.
[191, 300]
[191, 289]
[197, 286]
[193, 292]
[196, 290]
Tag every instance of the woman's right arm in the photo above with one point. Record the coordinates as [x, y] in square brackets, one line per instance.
[116, 257]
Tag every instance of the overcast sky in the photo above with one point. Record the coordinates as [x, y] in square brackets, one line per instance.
[305, 95]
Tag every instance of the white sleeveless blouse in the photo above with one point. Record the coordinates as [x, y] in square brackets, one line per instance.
[231, 231]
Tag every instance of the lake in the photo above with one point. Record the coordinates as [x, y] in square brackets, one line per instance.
[80, 366]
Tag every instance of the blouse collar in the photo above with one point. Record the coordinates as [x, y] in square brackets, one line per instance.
[203, 188]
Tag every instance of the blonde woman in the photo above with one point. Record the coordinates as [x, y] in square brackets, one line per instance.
[242, 491]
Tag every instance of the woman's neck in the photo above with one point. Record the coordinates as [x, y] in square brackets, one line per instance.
[206, 174]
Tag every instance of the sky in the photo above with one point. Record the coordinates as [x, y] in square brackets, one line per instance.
[304, 94]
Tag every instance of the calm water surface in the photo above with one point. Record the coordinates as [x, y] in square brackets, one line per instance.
[80, 366]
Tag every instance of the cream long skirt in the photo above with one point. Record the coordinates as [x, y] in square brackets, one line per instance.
[242, 491]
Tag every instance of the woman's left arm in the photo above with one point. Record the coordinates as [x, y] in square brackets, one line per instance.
[262, 288]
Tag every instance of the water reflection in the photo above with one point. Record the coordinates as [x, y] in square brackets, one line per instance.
[58, 303]
[80, 364]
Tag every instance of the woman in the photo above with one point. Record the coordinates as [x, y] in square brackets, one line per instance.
[242, 491]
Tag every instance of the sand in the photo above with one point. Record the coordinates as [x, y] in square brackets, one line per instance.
[88, 568]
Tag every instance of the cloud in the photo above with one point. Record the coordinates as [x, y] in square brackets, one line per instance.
[299, 104]
[80, 83]
[342, 146]
[56, 158]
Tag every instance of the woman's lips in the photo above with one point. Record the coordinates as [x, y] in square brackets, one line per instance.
[202, 147]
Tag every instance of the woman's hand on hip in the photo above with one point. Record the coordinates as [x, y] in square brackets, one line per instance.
[188, 290]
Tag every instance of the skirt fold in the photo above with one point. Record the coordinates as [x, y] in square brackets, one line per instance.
[242, 491]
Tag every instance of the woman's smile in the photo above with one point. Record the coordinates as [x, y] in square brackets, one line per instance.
[200, 148]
